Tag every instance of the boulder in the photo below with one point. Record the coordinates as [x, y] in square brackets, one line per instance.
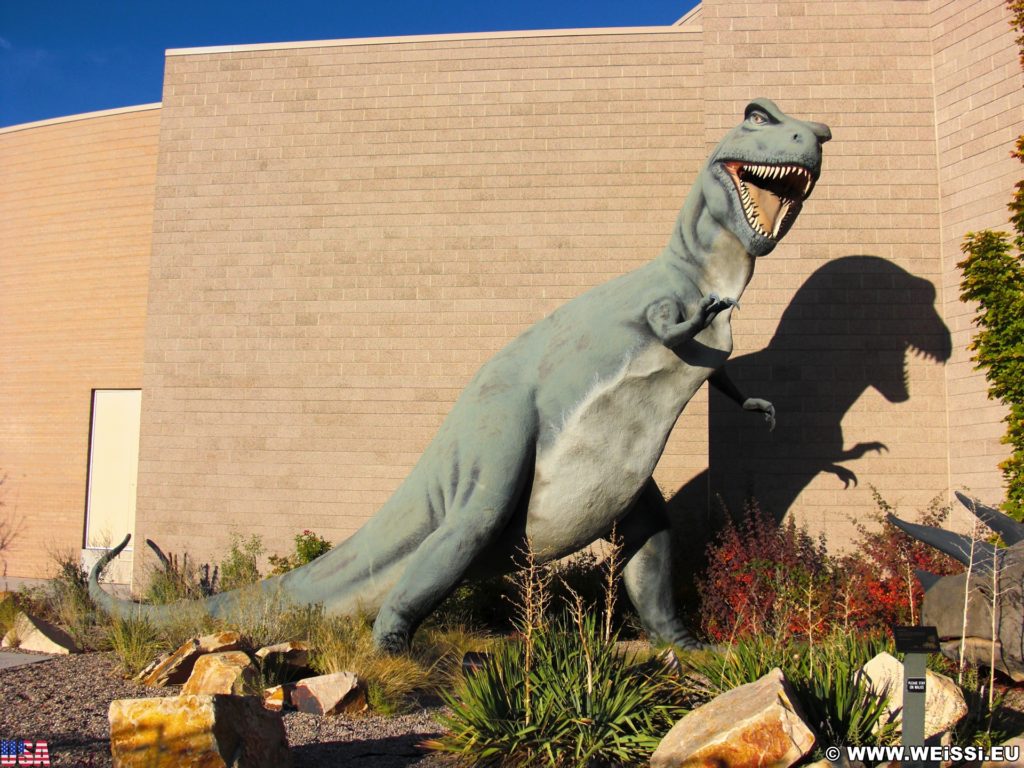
[292, 655]
[32, 634]
[226, 672]
[210, 731]
[1016, 741]
[175, 668]
[755, 724]
[842, 762]
[330, 694]
[279, 697]
[944, 702]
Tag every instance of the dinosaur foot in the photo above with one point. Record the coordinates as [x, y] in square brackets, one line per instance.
[393, 643]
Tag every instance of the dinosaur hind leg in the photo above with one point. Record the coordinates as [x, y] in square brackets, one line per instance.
[485, 472]
[648, 572]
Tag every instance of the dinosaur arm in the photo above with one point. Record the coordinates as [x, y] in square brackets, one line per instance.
[858, 451]
[666, 319]
[720, 380]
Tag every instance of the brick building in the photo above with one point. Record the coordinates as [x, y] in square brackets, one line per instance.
[280, 277]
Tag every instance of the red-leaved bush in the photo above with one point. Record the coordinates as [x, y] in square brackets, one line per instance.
[768, 578]
[880, 570]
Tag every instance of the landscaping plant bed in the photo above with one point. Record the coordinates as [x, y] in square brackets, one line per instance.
[64, 701]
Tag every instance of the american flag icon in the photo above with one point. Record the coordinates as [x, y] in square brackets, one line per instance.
[10, 750]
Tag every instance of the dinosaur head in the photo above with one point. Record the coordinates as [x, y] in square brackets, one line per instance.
[758, 177]
[961, 606]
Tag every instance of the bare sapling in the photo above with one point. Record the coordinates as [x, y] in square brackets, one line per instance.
[533, 583]
[612, 569]
[577, 611]
[996, 563]
[975, 534]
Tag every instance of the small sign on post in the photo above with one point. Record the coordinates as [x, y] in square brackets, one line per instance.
[915, 643]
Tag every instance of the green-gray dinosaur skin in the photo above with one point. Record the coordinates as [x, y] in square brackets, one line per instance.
[555, 439]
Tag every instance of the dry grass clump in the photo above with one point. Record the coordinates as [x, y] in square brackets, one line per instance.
[345, 644]
[8, 611]
[136, 643]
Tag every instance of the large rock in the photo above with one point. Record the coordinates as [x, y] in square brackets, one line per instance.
[1016, 741]
[200, 731]
[755, 724]
[32, 634]
[176, 668]
[292, 656]
[330, 694]
[944, 703]
[279, 697]
[226, 672]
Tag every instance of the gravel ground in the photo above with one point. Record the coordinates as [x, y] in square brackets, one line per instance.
[64, 701]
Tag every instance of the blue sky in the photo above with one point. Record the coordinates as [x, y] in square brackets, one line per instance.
[61, 57]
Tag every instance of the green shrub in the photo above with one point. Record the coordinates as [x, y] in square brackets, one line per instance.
[240, 567]
[264, 618]
[994, 277]
[65, 601]
[308, 547]
[823, 677]
[560, 694]
[135, 642]
[489, 604]
[565, 698]
[173, 580]
[189, 620]
[9, 610]
[988, 722]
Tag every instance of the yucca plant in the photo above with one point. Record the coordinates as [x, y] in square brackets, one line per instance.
[824, 679]
[590, 706]
[560, 695]
[747, 660]
[841, 708]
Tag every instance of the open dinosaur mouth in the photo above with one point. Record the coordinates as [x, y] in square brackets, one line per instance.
[772, 195]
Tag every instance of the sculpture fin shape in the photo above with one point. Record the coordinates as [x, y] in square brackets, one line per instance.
[1011, 531]
[928, 580]
[159, 553]
[956, 545]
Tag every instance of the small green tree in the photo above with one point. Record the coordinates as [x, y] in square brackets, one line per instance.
[993, 276]
[240, 568]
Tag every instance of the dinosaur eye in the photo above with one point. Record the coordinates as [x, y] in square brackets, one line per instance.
[758, 118]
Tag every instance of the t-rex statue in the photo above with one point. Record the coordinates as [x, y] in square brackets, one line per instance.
[555, 439]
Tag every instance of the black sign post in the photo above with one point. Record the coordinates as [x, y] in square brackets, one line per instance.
[915, 643]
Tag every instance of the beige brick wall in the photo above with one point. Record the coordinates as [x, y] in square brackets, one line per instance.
[978, 103]
[344, 233]
[76, 202]
[834, 363]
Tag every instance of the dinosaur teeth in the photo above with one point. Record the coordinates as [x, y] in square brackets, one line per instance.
[774, 196]
[781, 217]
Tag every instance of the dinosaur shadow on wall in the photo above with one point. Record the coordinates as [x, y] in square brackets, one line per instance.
[849, 327]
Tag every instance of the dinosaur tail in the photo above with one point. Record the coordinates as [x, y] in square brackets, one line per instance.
[158, 614]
